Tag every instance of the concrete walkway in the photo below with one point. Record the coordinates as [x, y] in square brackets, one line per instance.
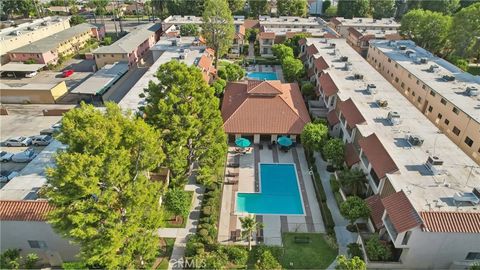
[251, 50]
[180, 234]
[344, 237]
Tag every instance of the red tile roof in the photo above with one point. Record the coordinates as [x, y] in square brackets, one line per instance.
[335, 21]
[401, 212]
[320, 63]
[302, 41]
[460, 222]
[267, 35]
[351, 155]
[332, 118]
[251, 24]
[328, 87]
[310, 72]
[253, 108]
[303, 58]
[354, 32]
[240, 33]
[24, 210]
[378, 157]
[351, 113]
[376, 210]
[311, 50]
[330, 35]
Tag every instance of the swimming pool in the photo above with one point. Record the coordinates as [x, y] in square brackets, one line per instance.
[262, 76]
[279, 192]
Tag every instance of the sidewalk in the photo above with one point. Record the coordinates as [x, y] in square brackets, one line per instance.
[344, 237]
[180, 234]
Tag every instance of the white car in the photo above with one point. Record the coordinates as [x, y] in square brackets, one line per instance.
[31, 74]
[25, 156]
[6, 176]
[5, 156]
[41, 140]
[18, 141]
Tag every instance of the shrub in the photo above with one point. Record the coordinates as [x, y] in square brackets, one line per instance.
[219, 86]
[178, 201]
[354, 208]
[333, 150]
[31, 260]
[266, 261]
[231, 72]
[30, 61]
[308, 90]
[189, 29]
[376, 250]
[74, 265]
[354, 250]
[107, 41]
[10, 259]
[334, 184]
[237, 255]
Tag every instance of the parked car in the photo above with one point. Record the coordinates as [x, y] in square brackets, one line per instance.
[47, 131]
[5, 156]
[41, 140]
[25, 156]
[31, 74]
[18, 141]
[6, 176]
[67, 73]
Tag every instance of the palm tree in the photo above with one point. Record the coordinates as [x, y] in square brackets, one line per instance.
[249, 226]
[353, 179]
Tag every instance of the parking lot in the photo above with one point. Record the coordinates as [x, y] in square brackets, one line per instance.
[24, 120]
[50, 77]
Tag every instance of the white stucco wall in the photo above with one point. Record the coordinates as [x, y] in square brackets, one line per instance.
[16, 234]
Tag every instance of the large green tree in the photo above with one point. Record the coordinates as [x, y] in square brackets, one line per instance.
[236, 5]
[258, 7]
[292, 7]
[465, 32]
[18, 7]
[353, 8]
[314, 136]
[333, 151]
[293, 69]
[353, 180]
[355, 263]
[382, 8]
[282, 51]
[354, 208]
[185, 110]
[189, 29]
[103, 198]
[249, 227]
[217, 27]
[428, 29]
[442, 6]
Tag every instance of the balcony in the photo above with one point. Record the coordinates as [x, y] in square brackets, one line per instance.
[395, 253]
[317, 108]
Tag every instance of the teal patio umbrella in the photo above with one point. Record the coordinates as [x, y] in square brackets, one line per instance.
[285, 141]
[242, 142]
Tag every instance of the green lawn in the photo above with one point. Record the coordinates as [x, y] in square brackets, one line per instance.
[166, 253]
[317, 254]
[169, 216]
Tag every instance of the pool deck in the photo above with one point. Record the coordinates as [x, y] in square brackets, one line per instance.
[274, 225]
[266, 68]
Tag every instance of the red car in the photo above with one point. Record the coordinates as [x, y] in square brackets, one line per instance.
[68, 73]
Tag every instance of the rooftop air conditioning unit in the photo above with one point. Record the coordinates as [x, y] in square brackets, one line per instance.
[15, 33]
[346, 66]
[402, 47]
[423, 60]
[415, 140]
[394, 118]
[44, 23]
[434, 164]
[357, 76]
[371, 89]
[432, 68]
[448, 78]
[472, 91]
[343, 58]
[392, 43]
[382, 103]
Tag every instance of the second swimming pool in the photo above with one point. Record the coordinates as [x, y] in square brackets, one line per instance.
[279, 192]
[262, 76]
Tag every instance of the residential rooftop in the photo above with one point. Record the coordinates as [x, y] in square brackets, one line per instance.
[52, 42]
[293, 22]
[182, 49]
[101, 80]
[282, 31]
[191, 19]
[453, 91]
[132, 40]
[375, 33]
[363, 22]
[35, 25]
[28, 86]
[425, 190]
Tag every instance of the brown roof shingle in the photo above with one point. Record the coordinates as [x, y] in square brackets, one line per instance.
[351, 155]
[24, 210]
[251, 24]
[401, 212]
[320, 63]
[351, 113]
[332, 118]
[267, 35]
[354, 32]
[327, 86]
[461, 222]
[245, 112]
[311, 50]
[376, 210]
[378, 157]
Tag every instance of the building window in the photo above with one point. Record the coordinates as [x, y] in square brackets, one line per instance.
[396, 65]
[423, 86]
[419, 99]
[455, 110]
[37, 244]
[456, 131]
[443, 101]
[406, 237]
[439, 116]
[402, 85]
[413, 93]
[418, 82]
[447, 122]
[409, 76]
[396, 79]
[408, 89]
[389, 60]
[432, 93]
[430, 108]
[468, 141]
[473, 256]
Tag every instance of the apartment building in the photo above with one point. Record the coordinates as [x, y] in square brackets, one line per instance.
[130, 48]
[15, 37]
[341, 24]
[238, 41]
[48, 50]
[423, 191]
[360, 40]
[446, 95]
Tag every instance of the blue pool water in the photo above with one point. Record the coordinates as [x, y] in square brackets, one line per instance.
[279, 192]
[262, 76]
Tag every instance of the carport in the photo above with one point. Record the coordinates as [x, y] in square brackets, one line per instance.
[16, 69]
